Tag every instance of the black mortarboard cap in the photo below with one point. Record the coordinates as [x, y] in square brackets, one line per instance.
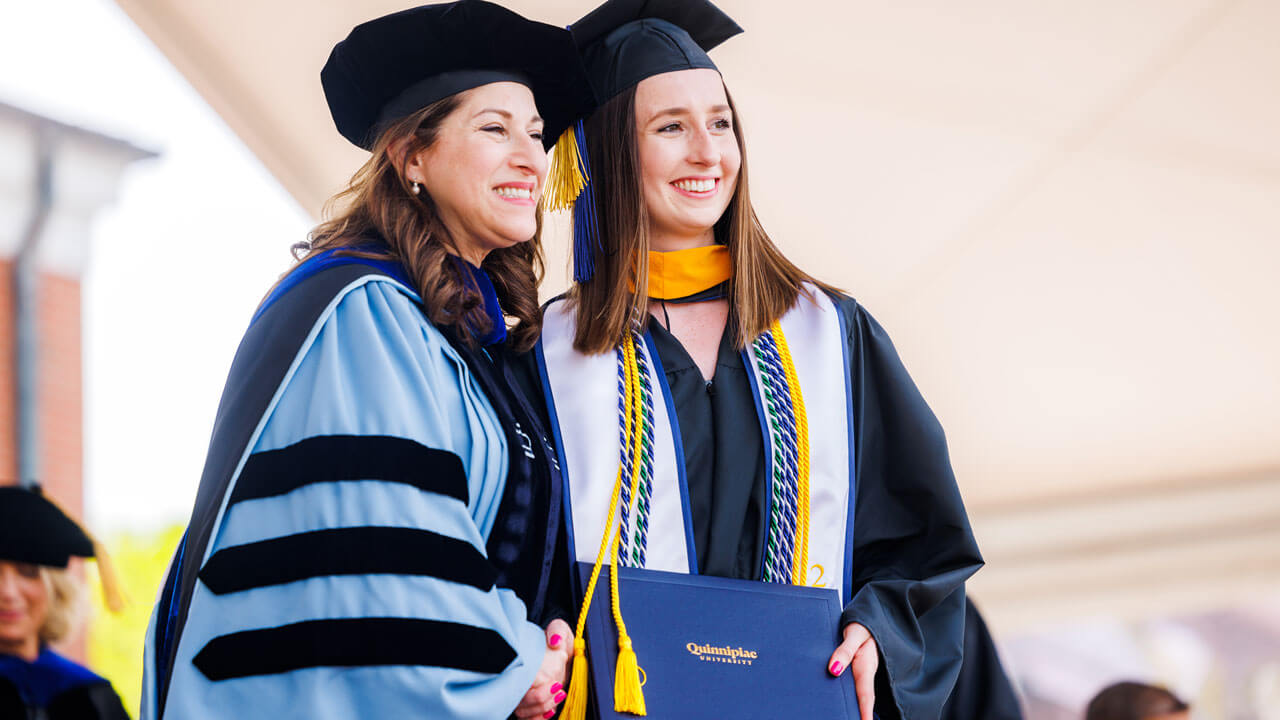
[625, 41]
[395, 65]
[34, 530]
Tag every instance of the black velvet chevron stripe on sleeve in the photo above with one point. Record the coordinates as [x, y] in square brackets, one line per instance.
[347, 551]
[331, 458]
[357, 642]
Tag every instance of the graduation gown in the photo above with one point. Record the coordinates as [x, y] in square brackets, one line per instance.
[374, 526]
[911, 546]
[55, 688]
[983, 689]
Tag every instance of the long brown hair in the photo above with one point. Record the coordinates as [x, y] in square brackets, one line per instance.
[764, 285]
[378, 209]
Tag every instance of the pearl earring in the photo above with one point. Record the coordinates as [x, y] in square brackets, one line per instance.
[415, 187]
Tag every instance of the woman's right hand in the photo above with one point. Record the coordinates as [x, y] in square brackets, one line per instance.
[547, 691]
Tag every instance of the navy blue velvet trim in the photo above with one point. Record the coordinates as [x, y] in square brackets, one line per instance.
[322, 261]
[497, 321]
[334, 458]
[347, 551]
[356, 642]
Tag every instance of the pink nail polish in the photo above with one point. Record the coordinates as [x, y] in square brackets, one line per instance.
[549, 714]
[560, 696]
[555, 688]
[836, 667]
[555, 640]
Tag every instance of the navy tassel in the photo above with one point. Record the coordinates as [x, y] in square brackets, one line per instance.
[586, 231]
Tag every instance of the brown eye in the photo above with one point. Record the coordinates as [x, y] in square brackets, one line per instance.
[28, 570]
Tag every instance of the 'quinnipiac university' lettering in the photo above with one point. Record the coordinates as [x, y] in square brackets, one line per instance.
[725, 654]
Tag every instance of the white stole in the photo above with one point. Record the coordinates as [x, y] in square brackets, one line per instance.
[584, 405]
[583, 401]
[814, 333]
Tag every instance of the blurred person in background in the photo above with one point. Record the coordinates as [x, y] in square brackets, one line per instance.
[38, 606]
[1136, 701]
[373, 531]
[782, 439]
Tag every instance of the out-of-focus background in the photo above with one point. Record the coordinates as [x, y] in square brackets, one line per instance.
[1067, 215]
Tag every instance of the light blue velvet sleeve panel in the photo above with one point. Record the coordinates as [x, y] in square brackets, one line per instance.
[327, 593]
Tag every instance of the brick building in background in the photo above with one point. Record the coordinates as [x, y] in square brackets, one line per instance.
[53, 179]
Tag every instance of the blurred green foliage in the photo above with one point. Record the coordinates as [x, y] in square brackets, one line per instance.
[115, 641]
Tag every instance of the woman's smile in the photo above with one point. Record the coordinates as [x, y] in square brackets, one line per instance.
[518, 193]
[697, 187]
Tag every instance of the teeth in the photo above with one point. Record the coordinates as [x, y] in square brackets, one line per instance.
[514, 193]
[696, 185]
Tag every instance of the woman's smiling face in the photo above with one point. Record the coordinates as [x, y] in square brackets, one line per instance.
[485, 170]
[689, 157]
[24, 606]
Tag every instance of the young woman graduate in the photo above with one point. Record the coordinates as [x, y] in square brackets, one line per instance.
[774, 430]
[37, 606]
[378, 509]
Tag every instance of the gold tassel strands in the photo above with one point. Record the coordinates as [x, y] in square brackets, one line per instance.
[566, 178]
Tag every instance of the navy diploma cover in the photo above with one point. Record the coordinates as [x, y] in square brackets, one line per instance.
[712, 647]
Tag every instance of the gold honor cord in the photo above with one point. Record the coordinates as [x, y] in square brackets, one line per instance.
[627, 695]
[800, 559]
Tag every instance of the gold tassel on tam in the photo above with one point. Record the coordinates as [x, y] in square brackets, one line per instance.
[112, 593]
[566, 178]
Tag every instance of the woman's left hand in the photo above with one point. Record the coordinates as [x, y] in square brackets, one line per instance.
[859, 652]
[548, 685]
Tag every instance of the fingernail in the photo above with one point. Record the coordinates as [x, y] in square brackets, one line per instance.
[555, 688]
[555, 640]
[560, 697]
[836, 667]
[549, 714]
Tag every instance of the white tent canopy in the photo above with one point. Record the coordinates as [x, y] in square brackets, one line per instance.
[1067, 214]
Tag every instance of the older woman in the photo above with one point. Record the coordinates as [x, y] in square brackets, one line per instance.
[780, 437]
[375, 522]
[37, 607]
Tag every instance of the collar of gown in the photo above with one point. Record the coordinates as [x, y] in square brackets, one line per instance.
[681, 273]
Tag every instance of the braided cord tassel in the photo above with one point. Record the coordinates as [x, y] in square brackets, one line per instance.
[575, 705]
[801, 567]
[779, 411]
[624, 450]
[646, 466]
[627, 695]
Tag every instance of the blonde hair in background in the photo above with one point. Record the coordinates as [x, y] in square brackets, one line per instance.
[64, 597]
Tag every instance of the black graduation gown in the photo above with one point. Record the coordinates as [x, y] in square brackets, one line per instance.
[983, 689]
[57, 689]
[912, 546]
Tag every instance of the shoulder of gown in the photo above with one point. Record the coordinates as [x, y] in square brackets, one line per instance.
[345, 574]
[913, 547]
[61, 688]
